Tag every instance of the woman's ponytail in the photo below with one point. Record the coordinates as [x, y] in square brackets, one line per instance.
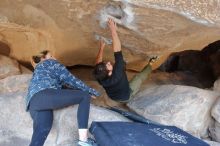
[36, 59]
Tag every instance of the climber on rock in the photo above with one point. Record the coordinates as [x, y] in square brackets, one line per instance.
[113, 77]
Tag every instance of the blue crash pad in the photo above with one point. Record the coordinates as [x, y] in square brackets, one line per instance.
[140, 134]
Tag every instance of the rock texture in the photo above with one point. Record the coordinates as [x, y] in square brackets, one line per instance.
[186, 107]
[25, 70]
[176, 78]
[200, 11]
[213, 143]
[215, 129]
[15, 122]
[217, 85]
[203, 65]
[68, 27]
[8, 67]
[15, 83]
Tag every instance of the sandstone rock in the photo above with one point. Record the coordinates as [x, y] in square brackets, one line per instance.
[25, 70]
[176, 78]
[217, 85]
[5, 49]
[188, 108]
[216, 111]
[8, 67]
[212, 51]
[215, 131]
[203, 65]
[15, 83]
[213, 143]
[16, 124]
[146, 27]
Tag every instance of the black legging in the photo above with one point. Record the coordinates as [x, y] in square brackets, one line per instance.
[44, 102]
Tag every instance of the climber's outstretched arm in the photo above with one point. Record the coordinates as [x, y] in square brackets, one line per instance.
[115, 39]
[99, 57]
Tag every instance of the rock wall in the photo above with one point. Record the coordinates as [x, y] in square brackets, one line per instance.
[204, 65]
[8, 67]
[186, 107]
[68, 27]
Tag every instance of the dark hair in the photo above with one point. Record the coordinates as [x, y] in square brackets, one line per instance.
[100, 72]
[36, 59]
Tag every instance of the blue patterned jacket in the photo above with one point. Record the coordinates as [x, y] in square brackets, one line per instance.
[51, 74]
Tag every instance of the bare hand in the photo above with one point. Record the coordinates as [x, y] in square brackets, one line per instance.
[94, 97]
[112, 24]
[102, 43]
[153, 60]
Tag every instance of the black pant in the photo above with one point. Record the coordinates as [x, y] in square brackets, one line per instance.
[44, 102]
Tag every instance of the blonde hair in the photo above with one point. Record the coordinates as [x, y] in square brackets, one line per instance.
[37, 58]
